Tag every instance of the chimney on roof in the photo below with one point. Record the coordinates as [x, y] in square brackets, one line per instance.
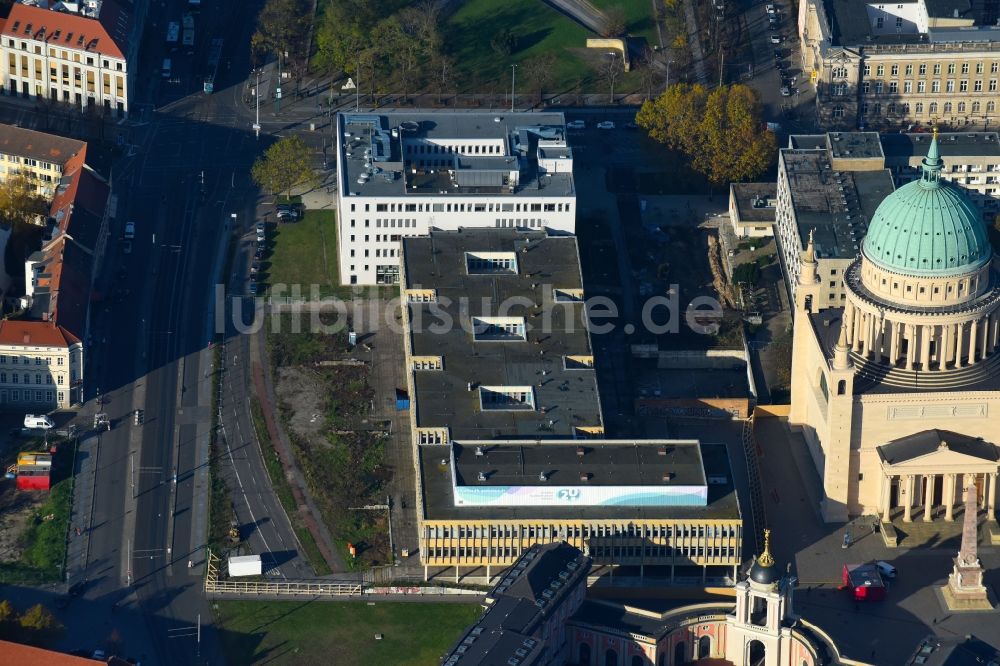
[27, 338]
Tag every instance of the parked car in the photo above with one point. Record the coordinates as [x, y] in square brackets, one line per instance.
[253, 287]
[886, 569]
[786, 91]
[287, 213]
[775, 38]
[606, 125]
[99, 655]
[259, 253]
[261, 228]
[576, 124]
[129, 230]
[770, 8]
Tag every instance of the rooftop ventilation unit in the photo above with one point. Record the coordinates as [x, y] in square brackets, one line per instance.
[585, 476]
[481, 476]
[479, 451]
[542, 476]
[580, 451]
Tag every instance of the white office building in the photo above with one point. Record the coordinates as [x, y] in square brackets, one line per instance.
[405, 174]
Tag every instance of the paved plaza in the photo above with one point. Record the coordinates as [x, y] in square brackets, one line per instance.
[881, 632]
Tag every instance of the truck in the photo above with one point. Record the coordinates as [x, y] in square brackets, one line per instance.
[173, 32]
[245, 565]
[214, 55]
[188, 35]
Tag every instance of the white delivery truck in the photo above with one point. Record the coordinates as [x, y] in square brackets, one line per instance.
[39, 421]
[245, 565]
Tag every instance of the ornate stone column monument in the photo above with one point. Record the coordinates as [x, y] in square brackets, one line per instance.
[965, 589]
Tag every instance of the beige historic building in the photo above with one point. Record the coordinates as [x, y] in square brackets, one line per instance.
[901, 63]
[80, 55]
[898, 391]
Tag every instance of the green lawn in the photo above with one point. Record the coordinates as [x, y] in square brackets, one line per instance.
[342, 633]
[538, 29]
[305, 253]
[638, 17]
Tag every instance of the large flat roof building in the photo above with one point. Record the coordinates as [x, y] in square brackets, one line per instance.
[404, 174]
[828, 185]
[507, 427]
[516, 359]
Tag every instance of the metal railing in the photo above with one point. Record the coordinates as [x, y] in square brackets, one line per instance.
[264, 587]
[293, 589]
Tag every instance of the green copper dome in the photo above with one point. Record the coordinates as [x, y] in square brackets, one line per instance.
[928, 227]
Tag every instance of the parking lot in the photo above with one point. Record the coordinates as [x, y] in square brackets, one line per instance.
[786, 92]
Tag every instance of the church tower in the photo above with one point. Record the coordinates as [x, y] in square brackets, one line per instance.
[760, 627]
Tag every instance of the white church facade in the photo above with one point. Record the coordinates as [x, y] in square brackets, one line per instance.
[897, 394]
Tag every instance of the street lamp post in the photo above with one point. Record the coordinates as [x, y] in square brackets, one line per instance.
[357, 88]
[513, 68]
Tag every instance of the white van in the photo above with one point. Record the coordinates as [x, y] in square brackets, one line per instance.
[40, 421]
[166, 68]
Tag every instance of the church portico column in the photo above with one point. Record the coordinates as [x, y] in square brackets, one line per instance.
[972, 341]
[929, 497]
[983, 338]
[908, 503]
[949, 497]
[886, 500]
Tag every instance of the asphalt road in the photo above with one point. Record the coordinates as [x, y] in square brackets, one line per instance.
[147, 523]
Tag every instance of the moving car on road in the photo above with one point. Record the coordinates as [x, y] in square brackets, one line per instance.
[576, 124]
[606, 125]
[775, 38]
[129, 230]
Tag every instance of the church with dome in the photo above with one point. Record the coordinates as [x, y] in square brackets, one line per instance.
[897, 393]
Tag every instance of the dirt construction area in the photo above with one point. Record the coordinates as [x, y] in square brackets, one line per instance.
[16, 512]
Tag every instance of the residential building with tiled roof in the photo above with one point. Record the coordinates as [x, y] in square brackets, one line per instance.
[16, 653]
[76, 54]
[40, 156]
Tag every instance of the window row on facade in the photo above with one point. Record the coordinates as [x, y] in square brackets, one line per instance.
[612, 552]
[484, 207]
[921, 69]
[31, 396]
[586, 530]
